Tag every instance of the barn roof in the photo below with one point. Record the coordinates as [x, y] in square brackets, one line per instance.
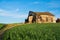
[43, 13]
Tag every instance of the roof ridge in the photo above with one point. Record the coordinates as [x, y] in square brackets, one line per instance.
[43, 13]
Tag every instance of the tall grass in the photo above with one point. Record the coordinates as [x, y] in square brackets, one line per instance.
[34, 32]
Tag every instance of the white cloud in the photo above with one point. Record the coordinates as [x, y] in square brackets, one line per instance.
[1, 10]
[19, 16]
[12, 15]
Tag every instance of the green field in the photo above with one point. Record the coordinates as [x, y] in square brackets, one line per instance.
[33, 32]
[1, 26]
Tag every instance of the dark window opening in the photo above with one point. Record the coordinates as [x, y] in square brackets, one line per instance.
[46, 19]
[40, 18]
[34, 19]
[51, 19]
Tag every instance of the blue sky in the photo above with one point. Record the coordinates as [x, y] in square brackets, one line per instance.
[15, 11]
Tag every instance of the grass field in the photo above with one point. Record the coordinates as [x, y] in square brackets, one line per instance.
[1, 25]
[34, 32]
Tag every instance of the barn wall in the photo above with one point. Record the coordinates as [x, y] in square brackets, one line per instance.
[30, 19]
[45, 19]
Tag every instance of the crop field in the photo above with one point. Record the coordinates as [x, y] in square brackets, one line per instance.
[48, 31]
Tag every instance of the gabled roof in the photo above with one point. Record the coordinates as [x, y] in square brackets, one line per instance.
[42, 13]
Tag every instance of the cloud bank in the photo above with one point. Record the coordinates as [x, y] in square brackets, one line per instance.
[12, 15]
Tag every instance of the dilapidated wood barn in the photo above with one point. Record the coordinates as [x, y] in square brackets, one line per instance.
[40, 17]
